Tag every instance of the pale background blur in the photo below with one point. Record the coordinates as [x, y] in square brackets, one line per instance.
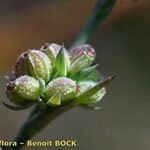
[123, 46]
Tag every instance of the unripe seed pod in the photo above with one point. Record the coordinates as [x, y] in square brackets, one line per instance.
[23, 90]
[82, 62]
[62, 85]
[86, 85]
[51, 50]
[34, 63]
[81, 57]
[80, 50]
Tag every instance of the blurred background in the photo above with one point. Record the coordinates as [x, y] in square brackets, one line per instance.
[122, 43]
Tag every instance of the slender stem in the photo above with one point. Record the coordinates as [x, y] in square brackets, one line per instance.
[36, 123]
[34, 111]
[99, 14]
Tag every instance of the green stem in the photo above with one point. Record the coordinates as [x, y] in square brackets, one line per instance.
[37, 122]
[99, 14]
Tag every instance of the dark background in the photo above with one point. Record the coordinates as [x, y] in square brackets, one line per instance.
[122, 43]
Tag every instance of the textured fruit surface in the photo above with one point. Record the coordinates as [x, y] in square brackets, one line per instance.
[65, 86]
[34, 63]
[23, 88]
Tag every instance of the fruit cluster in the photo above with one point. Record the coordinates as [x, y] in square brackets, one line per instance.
[53, 75]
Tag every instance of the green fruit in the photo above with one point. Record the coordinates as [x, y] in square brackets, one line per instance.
[51, 50]
[62, 85]
[78, 51]
[81, 57]
[23, 90]
[34, 63]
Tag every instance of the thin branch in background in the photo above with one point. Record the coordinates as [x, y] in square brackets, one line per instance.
[99, 14]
